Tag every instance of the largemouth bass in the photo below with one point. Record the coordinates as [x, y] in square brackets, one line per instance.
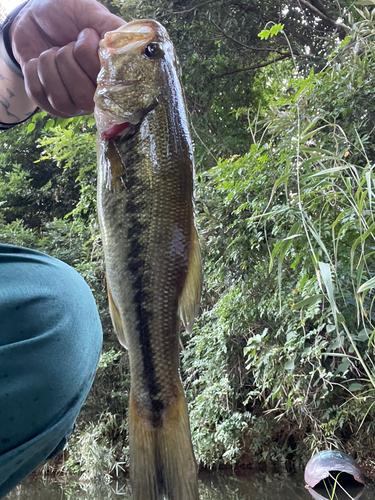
[152, 255]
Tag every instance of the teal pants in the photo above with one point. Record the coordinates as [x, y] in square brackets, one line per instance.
[50, 342]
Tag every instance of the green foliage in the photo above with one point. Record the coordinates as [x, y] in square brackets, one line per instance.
[220, 54]
[57, 160]
[292, 343]
[93, 455]
[275, 30]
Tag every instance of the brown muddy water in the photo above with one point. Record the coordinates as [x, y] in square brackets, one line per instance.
[213, 486]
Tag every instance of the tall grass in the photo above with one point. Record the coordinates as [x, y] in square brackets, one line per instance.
[289, 232]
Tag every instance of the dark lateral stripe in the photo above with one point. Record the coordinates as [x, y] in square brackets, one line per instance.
[144, 318]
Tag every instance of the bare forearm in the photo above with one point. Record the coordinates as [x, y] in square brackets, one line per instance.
[15, 105]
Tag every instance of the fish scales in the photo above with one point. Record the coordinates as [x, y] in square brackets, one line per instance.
[157, 214]
[146, 214]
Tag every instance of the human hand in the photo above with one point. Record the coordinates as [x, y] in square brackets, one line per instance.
[56, 44]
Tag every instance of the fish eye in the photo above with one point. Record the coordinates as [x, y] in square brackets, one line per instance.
[153, 50]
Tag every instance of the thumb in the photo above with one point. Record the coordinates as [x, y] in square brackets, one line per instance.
[98, 18]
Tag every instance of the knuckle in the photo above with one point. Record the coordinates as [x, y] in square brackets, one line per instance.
[64, 53]
[47, 56]
[33, 86]
[62, 104]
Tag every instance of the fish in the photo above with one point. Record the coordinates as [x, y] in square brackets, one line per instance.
[145, 203]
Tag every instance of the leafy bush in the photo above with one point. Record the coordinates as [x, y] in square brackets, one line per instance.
[287, 335]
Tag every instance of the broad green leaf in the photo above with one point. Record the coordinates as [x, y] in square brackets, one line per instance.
[38, 116]
[91, 121]
[340, 317]
[308, 301]
[369, 188]
[361, 239]
[289, 365]
[30, 127]
[325, 152]
[63, 122]
[325, 273]
[275, 30]
[367, 286]
[328, 171]
[50, 123]
[364, 334]
[355, 387]
[343, 366]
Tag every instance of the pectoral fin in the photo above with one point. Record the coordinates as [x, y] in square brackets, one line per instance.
[116, 318]
[191, 293]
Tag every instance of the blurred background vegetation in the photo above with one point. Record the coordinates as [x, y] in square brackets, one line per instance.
[280, 363]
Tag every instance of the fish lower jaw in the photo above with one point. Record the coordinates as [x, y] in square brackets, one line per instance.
[111, 125]
[114, 131]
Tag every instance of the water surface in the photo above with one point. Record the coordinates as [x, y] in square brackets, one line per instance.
[212, 486]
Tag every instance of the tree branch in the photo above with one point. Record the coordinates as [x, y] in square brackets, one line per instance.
[197, 104]
[342, 30]
[318, 4]
[249, 47]
[322, 16]
[249, 68]
[195, 7]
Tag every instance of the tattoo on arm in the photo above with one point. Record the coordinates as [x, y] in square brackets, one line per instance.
[6, 105]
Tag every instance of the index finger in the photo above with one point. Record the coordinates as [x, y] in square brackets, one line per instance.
[86, 53]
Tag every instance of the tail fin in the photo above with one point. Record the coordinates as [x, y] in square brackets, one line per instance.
[162, 464]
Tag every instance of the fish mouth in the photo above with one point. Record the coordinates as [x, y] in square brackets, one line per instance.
[110, 125]
[134, 33]
[116, 88]
[122, 85]
[125, 128]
